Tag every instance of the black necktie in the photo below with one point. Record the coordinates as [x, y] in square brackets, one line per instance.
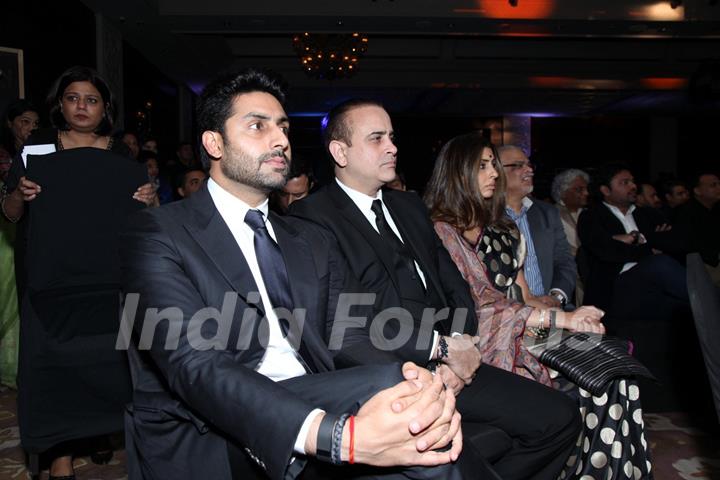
[270, 261]
[275, 277]
[395, 243]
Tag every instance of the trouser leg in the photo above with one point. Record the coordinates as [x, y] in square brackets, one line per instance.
[543, 423]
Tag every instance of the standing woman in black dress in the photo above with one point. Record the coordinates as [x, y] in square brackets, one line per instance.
[81, 111]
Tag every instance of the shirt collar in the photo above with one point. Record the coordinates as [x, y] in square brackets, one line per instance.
[617, 211]
[231, 207]
[364, 202]
[526, 204]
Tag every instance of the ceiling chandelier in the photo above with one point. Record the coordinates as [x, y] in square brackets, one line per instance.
[330, 55]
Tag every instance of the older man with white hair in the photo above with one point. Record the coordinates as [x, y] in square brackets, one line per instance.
[570, 193]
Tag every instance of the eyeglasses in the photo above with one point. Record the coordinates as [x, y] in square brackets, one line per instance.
[520, 165]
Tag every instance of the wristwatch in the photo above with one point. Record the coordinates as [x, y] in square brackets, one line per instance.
[560, 297]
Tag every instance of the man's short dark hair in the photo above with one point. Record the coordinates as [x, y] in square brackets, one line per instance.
[216, 101]
[695, 179]
[605, 174]
[641, 186]
[146, 155]
[335, 126]
[299, 167]
[666, 187]
[181, 177]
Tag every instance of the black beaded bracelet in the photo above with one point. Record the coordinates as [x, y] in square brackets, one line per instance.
[443, 348]
[324, 448]
[336, 457]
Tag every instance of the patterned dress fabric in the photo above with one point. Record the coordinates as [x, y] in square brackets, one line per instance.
[612, 444]
[9, 316]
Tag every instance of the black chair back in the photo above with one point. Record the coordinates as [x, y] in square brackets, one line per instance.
[705, 304]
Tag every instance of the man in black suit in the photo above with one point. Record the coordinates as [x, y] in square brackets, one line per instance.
[698, 222]
[215, 383]
[391, 246]
[549, 268]
[631, 275]
[625, 249]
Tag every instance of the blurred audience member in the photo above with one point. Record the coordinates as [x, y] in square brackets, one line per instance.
[156, 178]
[649, 201]
[9, 316]
[298, 186]
[397, 183]
[21, 119]
[647, 196]
[699, 222]
[186, 154]
[624, 247]
[675, 193]
[184, 159]
[190, 182]
[131, 140]
[550, 269]
[5, 162]
[570, 193]
[150, 144]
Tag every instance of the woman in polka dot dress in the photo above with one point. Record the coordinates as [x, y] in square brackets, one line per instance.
[466, 198]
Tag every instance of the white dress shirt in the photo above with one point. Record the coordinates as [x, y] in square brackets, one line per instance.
[628, 223]
[280, 360]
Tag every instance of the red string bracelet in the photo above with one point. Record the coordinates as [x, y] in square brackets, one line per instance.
[352, 439]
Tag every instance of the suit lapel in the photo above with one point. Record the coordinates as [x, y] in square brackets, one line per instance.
[542, 241]
[297, 256]
[211, 232]
[414, 242]
[355, 217]
[304, 286]
[614, 224]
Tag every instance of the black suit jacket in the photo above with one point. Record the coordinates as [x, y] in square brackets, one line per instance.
[371, 262]
[190, 402]
[605, 257]
[557, 265]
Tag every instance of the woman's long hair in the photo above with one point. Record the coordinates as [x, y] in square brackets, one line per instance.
[453, 194]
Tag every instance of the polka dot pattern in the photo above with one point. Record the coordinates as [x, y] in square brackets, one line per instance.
[627, 469]
[591, 421]
[637, 416]
[615, 411]
[612, 444]
[607, 435]
[598, 459]
[634, 392]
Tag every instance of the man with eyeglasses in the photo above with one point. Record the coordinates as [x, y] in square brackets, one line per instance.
[550, 269]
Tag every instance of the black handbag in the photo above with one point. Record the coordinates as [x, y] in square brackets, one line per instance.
[590, 360]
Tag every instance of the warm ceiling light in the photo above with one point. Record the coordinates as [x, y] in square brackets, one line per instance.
[664, 83]
[664, 11]
[330, 56]
[512, 9]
